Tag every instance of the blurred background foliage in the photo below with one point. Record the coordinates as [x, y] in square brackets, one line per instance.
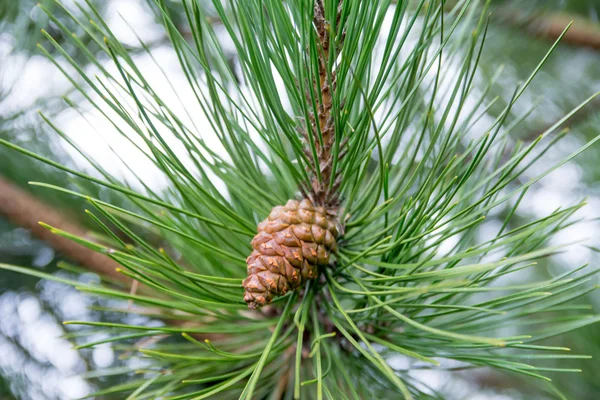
[519, 35]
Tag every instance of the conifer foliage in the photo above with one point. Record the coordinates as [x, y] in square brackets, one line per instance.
[355, 128]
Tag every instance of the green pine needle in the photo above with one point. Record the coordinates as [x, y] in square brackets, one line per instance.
[412, 277]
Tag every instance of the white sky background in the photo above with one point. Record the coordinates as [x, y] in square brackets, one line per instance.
[38, 78]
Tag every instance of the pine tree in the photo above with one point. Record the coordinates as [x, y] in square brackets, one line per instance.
[353, 128]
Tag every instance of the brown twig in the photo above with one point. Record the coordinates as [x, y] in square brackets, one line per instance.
[23, 209]
[323, 193]
[583, 32]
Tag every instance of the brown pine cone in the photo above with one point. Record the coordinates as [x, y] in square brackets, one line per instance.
[291, 244]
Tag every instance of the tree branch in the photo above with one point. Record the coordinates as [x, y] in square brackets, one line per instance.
[23, 209]
[583, 33]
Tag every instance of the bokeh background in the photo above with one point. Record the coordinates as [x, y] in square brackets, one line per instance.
[37, 360]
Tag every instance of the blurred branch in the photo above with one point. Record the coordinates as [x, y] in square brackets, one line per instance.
[546, 25]
[23, 209]
[583, 32]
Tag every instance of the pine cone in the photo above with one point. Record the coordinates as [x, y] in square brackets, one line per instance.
[291, 244]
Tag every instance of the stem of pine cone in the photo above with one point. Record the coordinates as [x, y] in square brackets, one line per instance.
[323, 192]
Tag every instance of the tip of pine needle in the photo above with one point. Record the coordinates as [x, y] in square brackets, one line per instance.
[45, 225]
[188, 337]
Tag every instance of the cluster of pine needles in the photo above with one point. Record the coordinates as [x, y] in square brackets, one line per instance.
[412, 278]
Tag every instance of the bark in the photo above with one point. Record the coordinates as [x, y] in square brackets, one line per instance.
[583, 33]
[23, 209]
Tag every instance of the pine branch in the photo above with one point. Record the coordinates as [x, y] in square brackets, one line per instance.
[411, 274]
[324, 188]
[550, 25]
[25, 210]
